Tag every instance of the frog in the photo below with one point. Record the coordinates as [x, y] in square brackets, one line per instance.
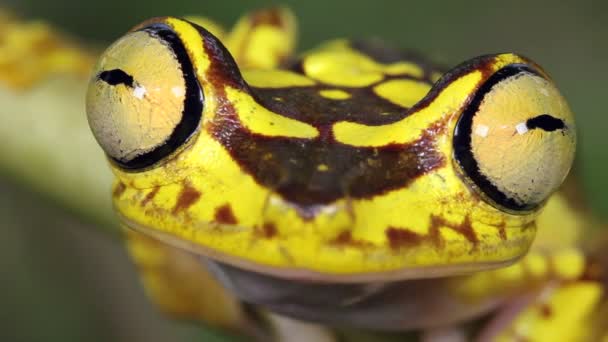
[354, 185]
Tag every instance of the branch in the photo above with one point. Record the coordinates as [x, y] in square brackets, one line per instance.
[46, 142]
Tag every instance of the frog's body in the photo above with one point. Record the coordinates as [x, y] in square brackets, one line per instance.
[337, 187]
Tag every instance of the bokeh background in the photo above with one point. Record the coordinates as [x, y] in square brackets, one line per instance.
[65, 277]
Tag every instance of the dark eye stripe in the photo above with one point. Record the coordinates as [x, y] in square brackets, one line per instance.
[546, 122]
[115, 77]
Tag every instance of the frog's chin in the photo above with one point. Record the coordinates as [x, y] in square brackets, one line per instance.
[309, 275]
[389, 306]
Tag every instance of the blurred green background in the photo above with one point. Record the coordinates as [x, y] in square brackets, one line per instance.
[63, 279]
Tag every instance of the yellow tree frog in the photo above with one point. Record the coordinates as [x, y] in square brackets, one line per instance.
[355, 185]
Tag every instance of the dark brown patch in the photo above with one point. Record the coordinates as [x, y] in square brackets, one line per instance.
[307, 105]
[546, 311]
[502, 231]
[149, 196]
[186, 198]
[267, 231]
[119, 190]
[225, 215]
[402, 238]
[345, 238]
[223, 70]
[435, 235]
[465, 229]
[289, 165]
[595, 269]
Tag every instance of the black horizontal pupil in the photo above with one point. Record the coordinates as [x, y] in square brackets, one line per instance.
[545, 122]
[115, 77]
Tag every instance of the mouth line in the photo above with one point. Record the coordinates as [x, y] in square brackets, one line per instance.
[299, 273]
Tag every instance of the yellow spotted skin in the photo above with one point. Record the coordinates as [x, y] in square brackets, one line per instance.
[339, 167]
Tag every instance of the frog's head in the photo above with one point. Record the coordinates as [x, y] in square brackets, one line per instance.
[348, 167]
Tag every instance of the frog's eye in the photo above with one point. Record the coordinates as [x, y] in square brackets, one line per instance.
[515, 141]
[144, 101]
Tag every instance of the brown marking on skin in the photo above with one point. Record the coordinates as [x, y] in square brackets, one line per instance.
[149, 196]
[354, 172]
[186, 198]
[223, 70]
[545, 310]
[502, 231]
[435, 235]
[402, 238]
[594, 270]
[345, 239]
[225, 215]
[306, 104]
[155, 211]
[119, 190]
[267, 231]
[465, 229]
